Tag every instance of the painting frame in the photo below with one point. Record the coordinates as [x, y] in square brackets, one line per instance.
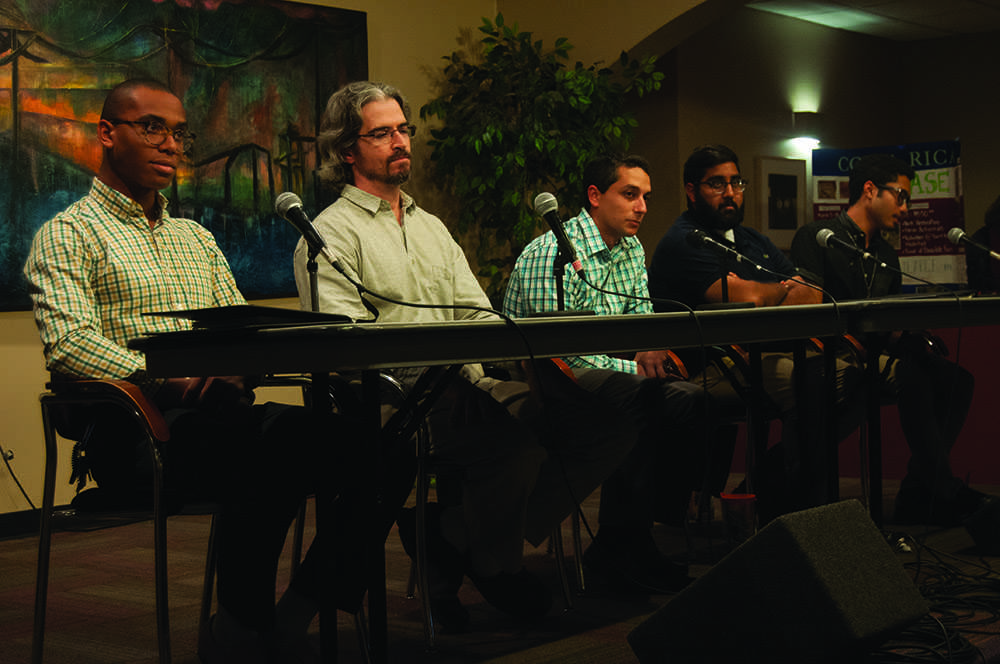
[781, 203]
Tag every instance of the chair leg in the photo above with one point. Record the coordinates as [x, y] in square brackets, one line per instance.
[423, 491]
[160, 555]
[557, 550]
[208, 585]
[44, 537]
[581, 581]
[361, 626]
[298, 534]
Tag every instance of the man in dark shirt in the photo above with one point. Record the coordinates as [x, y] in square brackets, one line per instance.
[688, 270]
[982, 269]
[932, 394]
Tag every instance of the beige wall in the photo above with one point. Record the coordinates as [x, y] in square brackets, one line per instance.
[728, 81]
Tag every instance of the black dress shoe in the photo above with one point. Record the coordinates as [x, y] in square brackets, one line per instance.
[634, 567]
[444, 569]
[521, 595]
[917, 505]
[213, 651]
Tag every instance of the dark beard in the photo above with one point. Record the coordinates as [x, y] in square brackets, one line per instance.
[712, 218]
[400, 177]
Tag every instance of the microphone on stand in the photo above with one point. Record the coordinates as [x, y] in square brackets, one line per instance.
[958, 236]
[826, 239]
[547, 207]
[289, 207]
[700, 238]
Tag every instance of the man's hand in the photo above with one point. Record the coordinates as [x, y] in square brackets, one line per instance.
[212, 392]
[799, 292]
[658, 364]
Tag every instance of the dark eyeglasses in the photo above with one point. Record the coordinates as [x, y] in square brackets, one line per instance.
[155, 133]
[718, 184]
[902, 195]
[385, 134]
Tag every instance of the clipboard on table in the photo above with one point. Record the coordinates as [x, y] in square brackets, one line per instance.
[250, 316]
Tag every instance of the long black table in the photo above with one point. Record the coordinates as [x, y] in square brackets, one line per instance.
[359, 346]
[368, 347]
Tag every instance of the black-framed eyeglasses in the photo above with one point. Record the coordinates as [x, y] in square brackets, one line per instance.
[155, 133]
[718, 184]
[902, 195]
[385, 134]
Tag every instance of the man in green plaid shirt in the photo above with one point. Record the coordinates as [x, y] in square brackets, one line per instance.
[672, 415]
[93, 271]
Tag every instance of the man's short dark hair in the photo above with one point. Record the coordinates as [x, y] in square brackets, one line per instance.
[878, 169]
[705, 157]
[122, 93]
[602, 171]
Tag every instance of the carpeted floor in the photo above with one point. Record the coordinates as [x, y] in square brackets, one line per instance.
[101, 608]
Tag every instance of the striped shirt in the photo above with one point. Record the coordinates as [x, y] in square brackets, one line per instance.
[96, 267]
[620, 269]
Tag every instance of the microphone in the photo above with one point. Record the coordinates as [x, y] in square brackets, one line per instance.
[827, 239]
[957, 235]
[547, 207]
[289, 206]
[700, 238]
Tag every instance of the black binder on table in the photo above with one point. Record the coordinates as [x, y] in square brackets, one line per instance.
[250, 316]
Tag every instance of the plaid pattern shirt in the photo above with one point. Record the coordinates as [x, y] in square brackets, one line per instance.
[620, 269]
[96, 267]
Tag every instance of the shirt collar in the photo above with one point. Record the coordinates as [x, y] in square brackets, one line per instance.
[373, 203]
[593, 243]
[123, 207]
[854, 230]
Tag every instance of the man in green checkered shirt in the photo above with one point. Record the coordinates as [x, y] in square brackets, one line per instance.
[93, 271]
[672, 415]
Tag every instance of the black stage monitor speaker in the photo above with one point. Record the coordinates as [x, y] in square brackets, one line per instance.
[817, 586]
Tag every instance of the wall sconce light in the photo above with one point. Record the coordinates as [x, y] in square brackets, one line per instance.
[806, 124]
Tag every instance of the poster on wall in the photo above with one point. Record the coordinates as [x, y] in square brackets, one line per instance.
[935, 207]
[254, 76]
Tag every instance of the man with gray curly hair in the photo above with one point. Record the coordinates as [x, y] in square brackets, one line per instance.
[341, 129]
[523, 462]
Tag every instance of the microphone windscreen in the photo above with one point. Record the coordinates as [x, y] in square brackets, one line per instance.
[697, 237]
[545, 203]
[823, 237]
[955, 235]
[286, 201]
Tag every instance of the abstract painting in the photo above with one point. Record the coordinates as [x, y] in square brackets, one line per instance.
[254, 76]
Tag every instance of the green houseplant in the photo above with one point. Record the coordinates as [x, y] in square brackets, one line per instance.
[517, 120]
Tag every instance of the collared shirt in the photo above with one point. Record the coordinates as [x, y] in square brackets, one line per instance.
[843, 276]
[619, 271]
[416, 261]
[682, 271]
[97, 267]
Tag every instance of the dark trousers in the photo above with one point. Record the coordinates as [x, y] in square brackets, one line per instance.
[933, 396]
[258, 463]
[669, 458]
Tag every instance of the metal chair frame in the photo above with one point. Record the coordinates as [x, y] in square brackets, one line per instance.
[127, 396]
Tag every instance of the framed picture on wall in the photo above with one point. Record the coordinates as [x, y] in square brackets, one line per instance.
[781, 198]
[254, 77]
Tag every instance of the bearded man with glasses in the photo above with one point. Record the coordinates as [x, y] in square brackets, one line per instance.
[687, 269]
